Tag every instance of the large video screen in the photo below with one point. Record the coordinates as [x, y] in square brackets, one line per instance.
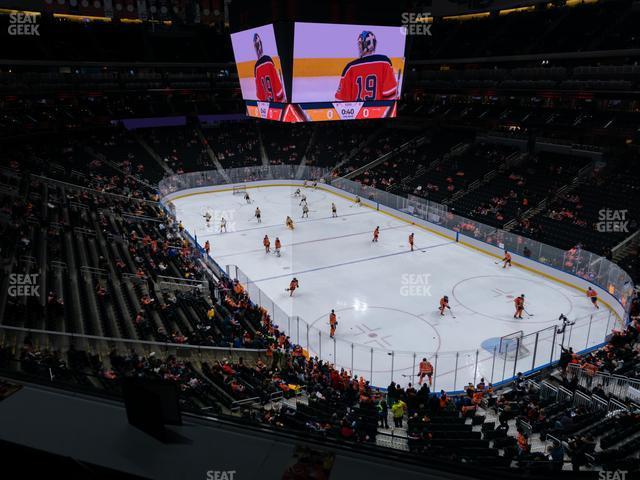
[323, 71]
[347, 63]
[258, 62]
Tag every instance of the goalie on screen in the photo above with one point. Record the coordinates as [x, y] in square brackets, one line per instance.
[369, 77]
[268, 84]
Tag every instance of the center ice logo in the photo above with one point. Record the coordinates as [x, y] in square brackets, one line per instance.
[415, 285]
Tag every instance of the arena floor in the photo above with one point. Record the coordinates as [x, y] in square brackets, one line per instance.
[386, 296]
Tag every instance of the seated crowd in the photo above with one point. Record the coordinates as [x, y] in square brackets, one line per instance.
[109, 220]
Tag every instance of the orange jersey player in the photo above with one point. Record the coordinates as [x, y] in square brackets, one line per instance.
[278, 246]
[411, 241]
[593, 295]
[292, 286]
[376, 234]
[268, 83]
[333, 322]
[444, 303]
[506, 260]
[207, 247]
[426, 369]
[267, 244]
[289, 223]
[519, 303]
[369, 77]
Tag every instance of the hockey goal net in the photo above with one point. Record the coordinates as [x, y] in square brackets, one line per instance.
[239, 190]
[511, 346]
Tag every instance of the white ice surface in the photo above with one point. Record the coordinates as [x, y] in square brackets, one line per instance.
[385, 296]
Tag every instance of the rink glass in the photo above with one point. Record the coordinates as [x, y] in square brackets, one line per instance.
[453, 370]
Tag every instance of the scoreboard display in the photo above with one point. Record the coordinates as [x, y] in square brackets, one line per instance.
[321, 111]
[326, 71]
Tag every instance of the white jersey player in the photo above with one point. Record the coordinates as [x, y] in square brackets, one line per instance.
[258, 215]
[334, 210]
[305, 211]
[247, 198]
[207, 219]
[223, 225]
[296, 193]
[303, 199]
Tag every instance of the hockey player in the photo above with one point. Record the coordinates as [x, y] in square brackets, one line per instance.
[267, 244]
[506, 260]
[305, 211]
[247, 198]
[207, 247]
[357, 200]
[292, 286]
[315, 185]
[333, 323]
[369, 77]
[426, 370]
[207, 219]
[519, 303]
[296, 193]
[411, 241]
[278, 246]
[444, 303]
[303, 199]
[593, 296]
[334, 210]
[289, 223]
[258, 215]
[223, 225]
[376, 234]
[268, 82]
[565, 323]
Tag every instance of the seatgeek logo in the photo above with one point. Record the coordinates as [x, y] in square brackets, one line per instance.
[613, 221]
[415, 285]
[221, 474]
[416, 23]
[23, 25]
[24, 285]
[613, 475]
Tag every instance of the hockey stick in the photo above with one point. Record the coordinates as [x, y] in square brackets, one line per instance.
[451, 312]
[525, 311]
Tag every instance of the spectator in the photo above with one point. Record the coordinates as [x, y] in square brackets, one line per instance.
[398, 411]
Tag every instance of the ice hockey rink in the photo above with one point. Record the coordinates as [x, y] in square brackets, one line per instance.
[386, 296]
